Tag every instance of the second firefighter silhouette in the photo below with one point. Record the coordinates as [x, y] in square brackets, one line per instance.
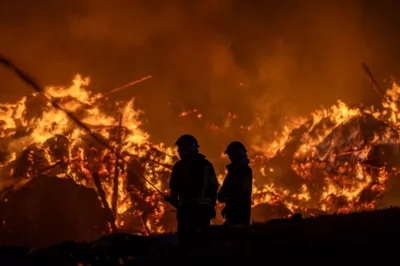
[237, 187]
[193, 189]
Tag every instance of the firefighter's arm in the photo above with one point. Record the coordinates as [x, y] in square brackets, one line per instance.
[173, 185]
[212, 183]
[247, 184]
[221, 193]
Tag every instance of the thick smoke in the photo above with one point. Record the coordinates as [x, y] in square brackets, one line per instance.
[291, 56]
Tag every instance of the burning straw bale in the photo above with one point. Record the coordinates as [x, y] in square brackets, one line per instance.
[50, 210]
[339, 161]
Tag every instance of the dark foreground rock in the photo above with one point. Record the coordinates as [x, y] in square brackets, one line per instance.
[359, 237]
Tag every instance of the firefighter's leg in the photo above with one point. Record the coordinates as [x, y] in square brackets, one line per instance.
[183, 224]
[232, 217]
[188, 224]
[246, 215]
[205, 214]
[240, 215]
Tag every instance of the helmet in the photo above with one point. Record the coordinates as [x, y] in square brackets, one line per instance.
[186, 144]
[236, 148]
[187, 140]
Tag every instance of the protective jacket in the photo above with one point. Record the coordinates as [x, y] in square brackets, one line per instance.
[236, 193]
[193, 181]
[194, 187]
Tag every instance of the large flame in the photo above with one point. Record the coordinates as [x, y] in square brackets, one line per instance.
[323, 163]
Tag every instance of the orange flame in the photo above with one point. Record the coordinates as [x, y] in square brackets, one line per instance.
[325, 155]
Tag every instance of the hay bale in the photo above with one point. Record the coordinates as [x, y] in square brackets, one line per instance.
[51, 210]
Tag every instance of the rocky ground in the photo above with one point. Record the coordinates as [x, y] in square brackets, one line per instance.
[371, 237]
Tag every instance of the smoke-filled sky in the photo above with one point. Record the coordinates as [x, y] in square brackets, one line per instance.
[292, 56]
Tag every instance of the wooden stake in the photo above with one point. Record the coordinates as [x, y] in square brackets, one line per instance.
[114, 203]
[103, 198]
[371, 79]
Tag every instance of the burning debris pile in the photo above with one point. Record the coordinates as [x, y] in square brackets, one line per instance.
[338, 160]
[37, 140]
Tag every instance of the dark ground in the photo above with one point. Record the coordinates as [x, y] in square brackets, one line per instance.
[359, 237]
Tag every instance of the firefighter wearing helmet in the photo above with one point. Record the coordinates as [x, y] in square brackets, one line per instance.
[193, 190]
[237, 187]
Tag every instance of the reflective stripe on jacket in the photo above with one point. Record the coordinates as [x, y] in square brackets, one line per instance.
[203, 199]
